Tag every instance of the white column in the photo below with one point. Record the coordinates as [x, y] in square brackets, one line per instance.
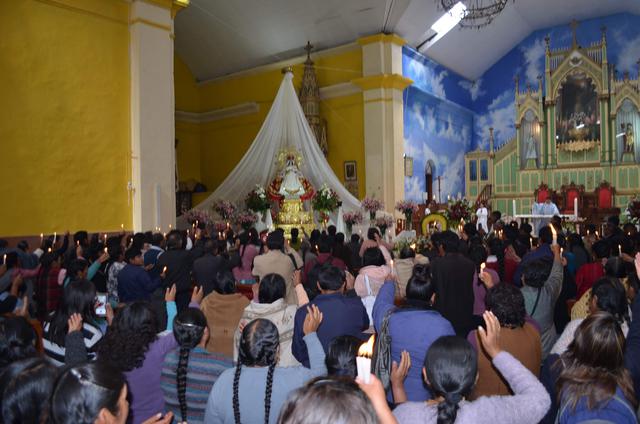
[382, 85]
[152, 115]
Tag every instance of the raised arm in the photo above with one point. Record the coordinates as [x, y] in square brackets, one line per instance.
[314, 347]
[554, 283]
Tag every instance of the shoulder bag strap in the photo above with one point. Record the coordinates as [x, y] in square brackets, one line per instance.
[366, 282]
[535, 305]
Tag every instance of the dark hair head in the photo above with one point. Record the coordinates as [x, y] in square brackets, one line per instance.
[355, 238]
[272, 287]
[478, 254]
[134, 328]
[615, 267]
[211, 246]
[138, 240]
[332, 230]
[83, 391]
[17, 340]
[259, 346]
[451, 366]
[174, 240]
[526, 228]
[507, 304]
[371, 233]
[601, 249]
[373, 256]
[327, 401]
[188, 329]
[331, 278]
[545, 235]
[594, 363]
[420, 286]
[339, 239]
[225, 282]
[76, 266]
[275, 240]
[613, 220]
[25, 387]
[324, 244]
[449, 241]
[131, 254]
[341, 356]
[294, 234]
[158, 239]
[536, 272]
[610, 296]
[496, 215]
[79, 297]
[407, 252]
[470, 229]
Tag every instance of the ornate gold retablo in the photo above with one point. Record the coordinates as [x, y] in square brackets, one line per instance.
[293, 215]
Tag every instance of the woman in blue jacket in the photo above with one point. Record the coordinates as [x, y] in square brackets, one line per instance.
[413, 327]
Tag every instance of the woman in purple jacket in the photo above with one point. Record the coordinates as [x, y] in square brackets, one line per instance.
[412, 328]
[451, 371]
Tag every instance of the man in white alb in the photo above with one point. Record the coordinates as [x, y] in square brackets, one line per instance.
[482, 213]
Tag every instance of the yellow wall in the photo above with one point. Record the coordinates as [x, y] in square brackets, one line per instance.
[64, 126]
[224, 142]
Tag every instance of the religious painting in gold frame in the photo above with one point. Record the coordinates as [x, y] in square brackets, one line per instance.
[350, 171]
[577, 116]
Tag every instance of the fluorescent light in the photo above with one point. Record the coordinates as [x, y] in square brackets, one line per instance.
[579, 126]
[619, 135]
[444, 24]
[450, 19]
[557, 137]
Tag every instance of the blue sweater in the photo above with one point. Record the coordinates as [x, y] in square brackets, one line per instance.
[134, 283]
[617, 410]
[413, 330]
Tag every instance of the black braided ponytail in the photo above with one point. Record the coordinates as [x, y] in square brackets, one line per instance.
[259, 345]
[188, 328]
[451, 367]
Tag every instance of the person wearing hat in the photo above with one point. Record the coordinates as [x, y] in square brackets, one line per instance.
[276, 261]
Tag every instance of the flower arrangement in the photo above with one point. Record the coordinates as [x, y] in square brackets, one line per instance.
[371, 205]
[198, 216]
[225, 209]
[384, 222]
[325, 200]
[220, 226]
[457, 210]
[407, 207]
[257, 200]
[246, 219]
[351, 219]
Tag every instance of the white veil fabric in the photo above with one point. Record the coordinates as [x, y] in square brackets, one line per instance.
[284, 127]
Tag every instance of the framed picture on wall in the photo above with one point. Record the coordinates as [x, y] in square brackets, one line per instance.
[350, 171]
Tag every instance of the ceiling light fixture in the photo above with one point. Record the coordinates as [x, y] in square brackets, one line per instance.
[479, 13]
[443, 25]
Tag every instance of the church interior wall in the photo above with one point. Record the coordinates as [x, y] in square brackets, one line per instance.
[65, 102]
[212, 149]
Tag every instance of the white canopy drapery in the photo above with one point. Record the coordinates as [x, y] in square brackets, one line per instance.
[285, 127]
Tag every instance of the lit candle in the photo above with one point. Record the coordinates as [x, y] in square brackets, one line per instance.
[49, 250]
[228, 225]
[597, 236]
[219, 234]
[196, 222]
[41, 238]
[77, 242]
[164, 235]
[122, 227]
[619, 250]
[54, 237]
[363, 360]
[530, 242]
[105, 250]
[169, 227]
[4, 259]
[561, 251]
[482, 267]
[413, 246]
[164, 270]
[554, 234]
[105, 238]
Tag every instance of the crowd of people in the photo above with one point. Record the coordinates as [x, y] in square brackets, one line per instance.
[492, 326]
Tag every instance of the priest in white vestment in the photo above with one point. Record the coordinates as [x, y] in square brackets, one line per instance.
[482, 213]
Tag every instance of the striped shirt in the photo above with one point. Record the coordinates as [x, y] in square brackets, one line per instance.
[92, 335]
[203, 370]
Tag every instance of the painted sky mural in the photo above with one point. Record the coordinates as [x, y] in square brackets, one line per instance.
[446, 116]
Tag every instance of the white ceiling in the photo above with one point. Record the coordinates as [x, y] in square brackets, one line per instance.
[219, 37]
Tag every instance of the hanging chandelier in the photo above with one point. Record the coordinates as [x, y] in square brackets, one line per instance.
[477, 13]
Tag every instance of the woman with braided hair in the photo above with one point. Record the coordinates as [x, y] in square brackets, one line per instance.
[450, 369]
[190, 371]
[255, 390]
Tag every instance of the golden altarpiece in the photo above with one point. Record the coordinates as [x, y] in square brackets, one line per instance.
[576, 138]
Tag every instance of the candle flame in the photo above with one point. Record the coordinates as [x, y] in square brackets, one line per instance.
[482, 266]
[366, 349]
[413, 246]
[164, 269]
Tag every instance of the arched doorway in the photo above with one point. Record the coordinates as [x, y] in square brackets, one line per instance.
[429, 172]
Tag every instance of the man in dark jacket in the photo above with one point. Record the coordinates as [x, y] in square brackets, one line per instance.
[453, 278]
[342, 313]
[543, 251]
[179, 263]
[134, 283]
[206, 268]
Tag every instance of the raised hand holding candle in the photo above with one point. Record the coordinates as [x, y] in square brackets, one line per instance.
[554, 234]
[482, 267]
[363, 360]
